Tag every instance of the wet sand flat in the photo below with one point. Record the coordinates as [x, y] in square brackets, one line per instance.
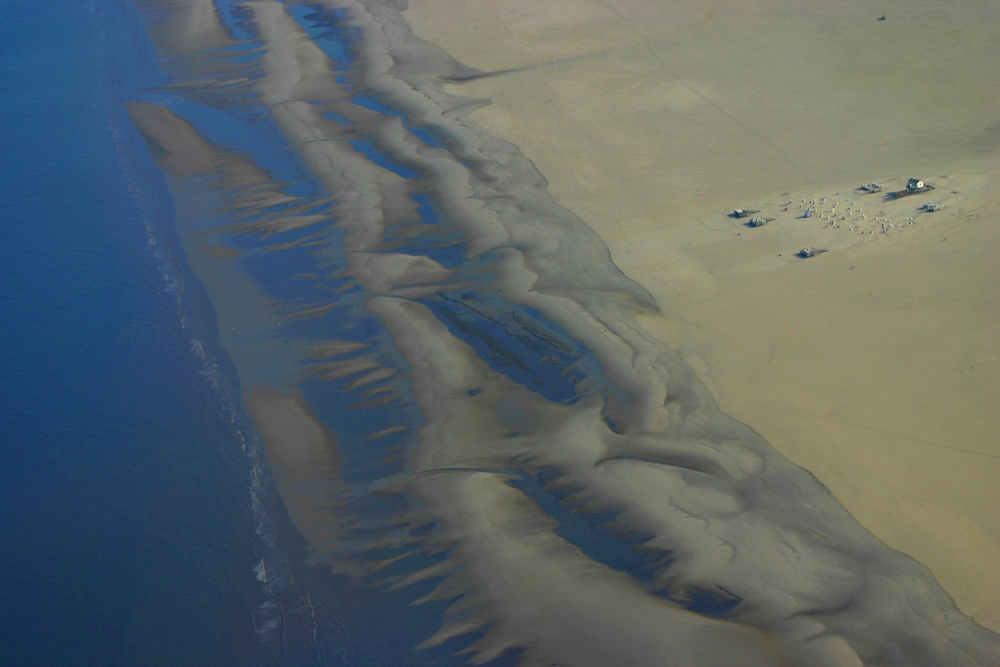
[467, 406]
[874, 365]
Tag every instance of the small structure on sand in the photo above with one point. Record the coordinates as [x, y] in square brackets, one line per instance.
[872, 187]
[931, 206]
[913, 186]
[744, 212]
[759, 222]
[806, 253]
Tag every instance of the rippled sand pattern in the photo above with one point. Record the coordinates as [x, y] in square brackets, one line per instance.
[449, 376]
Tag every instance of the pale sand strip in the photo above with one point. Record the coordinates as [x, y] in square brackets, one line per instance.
[303, 455]
[651, 120]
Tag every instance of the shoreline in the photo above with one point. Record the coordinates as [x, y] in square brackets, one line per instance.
[709, 491]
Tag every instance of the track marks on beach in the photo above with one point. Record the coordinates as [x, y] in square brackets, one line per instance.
[666, 68]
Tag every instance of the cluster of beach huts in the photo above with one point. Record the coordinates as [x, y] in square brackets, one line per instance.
[848, 213]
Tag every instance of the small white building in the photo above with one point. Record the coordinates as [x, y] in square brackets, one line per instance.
[914, 184]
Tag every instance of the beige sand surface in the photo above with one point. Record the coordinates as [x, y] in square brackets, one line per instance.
[874, 365]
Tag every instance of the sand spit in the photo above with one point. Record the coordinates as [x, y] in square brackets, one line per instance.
[303, 453]
[723, 514]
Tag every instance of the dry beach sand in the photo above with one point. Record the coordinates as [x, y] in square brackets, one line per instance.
[876, 366]
[868, 365]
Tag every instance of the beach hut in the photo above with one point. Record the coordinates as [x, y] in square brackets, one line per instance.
[806, 253]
